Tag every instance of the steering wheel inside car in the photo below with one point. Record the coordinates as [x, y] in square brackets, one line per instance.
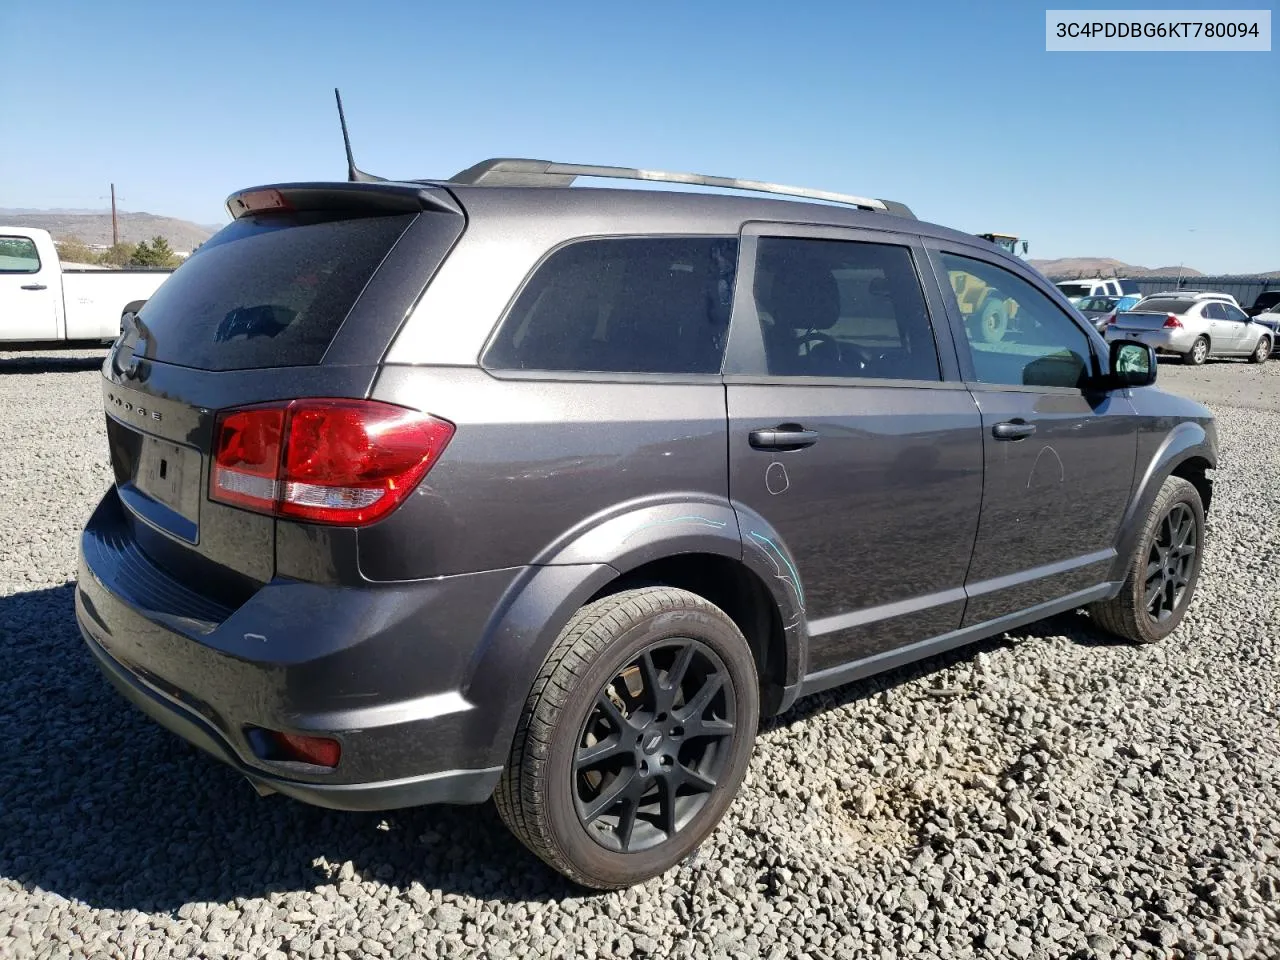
[829, 356]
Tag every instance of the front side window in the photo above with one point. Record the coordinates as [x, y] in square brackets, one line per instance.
[18, 255]
[623, 305]
[839, 308]
[1234, 313]
[1016, 334]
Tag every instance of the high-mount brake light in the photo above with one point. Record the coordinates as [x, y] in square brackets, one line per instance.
[259, 201]
[1172, 323]
[334, 461]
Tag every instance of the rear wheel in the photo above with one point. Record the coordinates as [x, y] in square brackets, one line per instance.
[1198, 353]
[634, 739]
[1164, 569]
[1262, 351]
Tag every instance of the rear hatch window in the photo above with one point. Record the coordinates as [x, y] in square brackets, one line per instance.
[267, 291]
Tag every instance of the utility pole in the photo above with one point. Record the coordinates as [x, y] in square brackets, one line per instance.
[115, 226]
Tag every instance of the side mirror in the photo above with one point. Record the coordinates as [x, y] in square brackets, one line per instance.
[1133, 364]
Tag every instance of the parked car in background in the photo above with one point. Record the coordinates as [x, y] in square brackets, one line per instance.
[1097, 310]
[1076, 290]
[1193, 295]
[504, 488]
[1266, 301]
[44, 304]
[1193, 327]
[1271, 320]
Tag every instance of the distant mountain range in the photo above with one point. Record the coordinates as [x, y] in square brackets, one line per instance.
[94, 226]
[1068, 268]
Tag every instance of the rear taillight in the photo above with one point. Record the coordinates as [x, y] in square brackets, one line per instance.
[347, 462]
[1111, 319]
[1173, 323]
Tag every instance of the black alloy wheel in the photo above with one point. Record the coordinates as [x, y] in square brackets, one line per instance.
[655, 745]
[1170, 562]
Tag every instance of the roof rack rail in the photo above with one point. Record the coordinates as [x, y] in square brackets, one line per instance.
[518, 172]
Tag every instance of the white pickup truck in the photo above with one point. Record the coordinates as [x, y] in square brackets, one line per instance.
[43, 304]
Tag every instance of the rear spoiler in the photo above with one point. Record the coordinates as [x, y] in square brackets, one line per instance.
[357, 199]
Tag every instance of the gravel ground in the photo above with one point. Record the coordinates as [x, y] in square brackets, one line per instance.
[1045, 794]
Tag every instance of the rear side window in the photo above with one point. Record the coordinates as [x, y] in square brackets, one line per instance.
[842, 308]
[266, 292]
[1129, 287]
[18, 255]
[623, 305]
[1096, 303]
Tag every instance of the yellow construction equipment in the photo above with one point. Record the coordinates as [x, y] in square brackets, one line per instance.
[988, 313]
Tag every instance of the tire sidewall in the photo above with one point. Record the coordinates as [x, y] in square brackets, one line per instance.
[608, 868]
[1191, 355]
[1152, 631]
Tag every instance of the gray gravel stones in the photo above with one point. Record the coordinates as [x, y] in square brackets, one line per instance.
[1045, 794]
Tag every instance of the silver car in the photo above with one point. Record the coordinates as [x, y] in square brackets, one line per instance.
[1195, 327]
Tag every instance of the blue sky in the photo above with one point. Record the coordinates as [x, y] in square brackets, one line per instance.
[1154, 158]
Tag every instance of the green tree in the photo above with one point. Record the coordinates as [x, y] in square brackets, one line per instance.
[157, 253]
[72, 249]
[117, 256]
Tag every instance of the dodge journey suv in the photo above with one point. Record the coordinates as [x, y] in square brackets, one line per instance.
[432, 491]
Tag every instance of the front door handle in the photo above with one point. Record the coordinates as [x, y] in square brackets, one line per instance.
[1013, 430]
[34, 286]
[786, 437]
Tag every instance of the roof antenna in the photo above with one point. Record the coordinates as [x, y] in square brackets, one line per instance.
[354, 173]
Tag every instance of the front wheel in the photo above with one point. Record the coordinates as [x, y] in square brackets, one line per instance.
[992, 319]
[1198, 354]
[1164, 569]
[1262, 351]
[634, 739]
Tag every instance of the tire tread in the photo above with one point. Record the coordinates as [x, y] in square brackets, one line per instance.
[1122, 615]
[521, 792]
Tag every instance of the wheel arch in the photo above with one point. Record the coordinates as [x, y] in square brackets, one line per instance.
[693, 544]
[1187, 452]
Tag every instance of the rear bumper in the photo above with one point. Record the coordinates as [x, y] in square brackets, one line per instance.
[382, 668]
[1164, 341]
[449, 786]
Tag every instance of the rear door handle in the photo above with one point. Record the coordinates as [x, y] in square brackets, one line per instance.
[1013, 430]
[33, 286]
[782, 438]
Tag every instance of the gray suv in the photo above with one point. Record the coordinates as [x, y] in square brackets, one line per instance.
[427, 492]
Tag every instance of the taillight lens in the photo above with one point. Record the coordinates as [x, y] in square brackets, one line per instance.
[347, 462]
[1110, 321]
[1173, 323]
